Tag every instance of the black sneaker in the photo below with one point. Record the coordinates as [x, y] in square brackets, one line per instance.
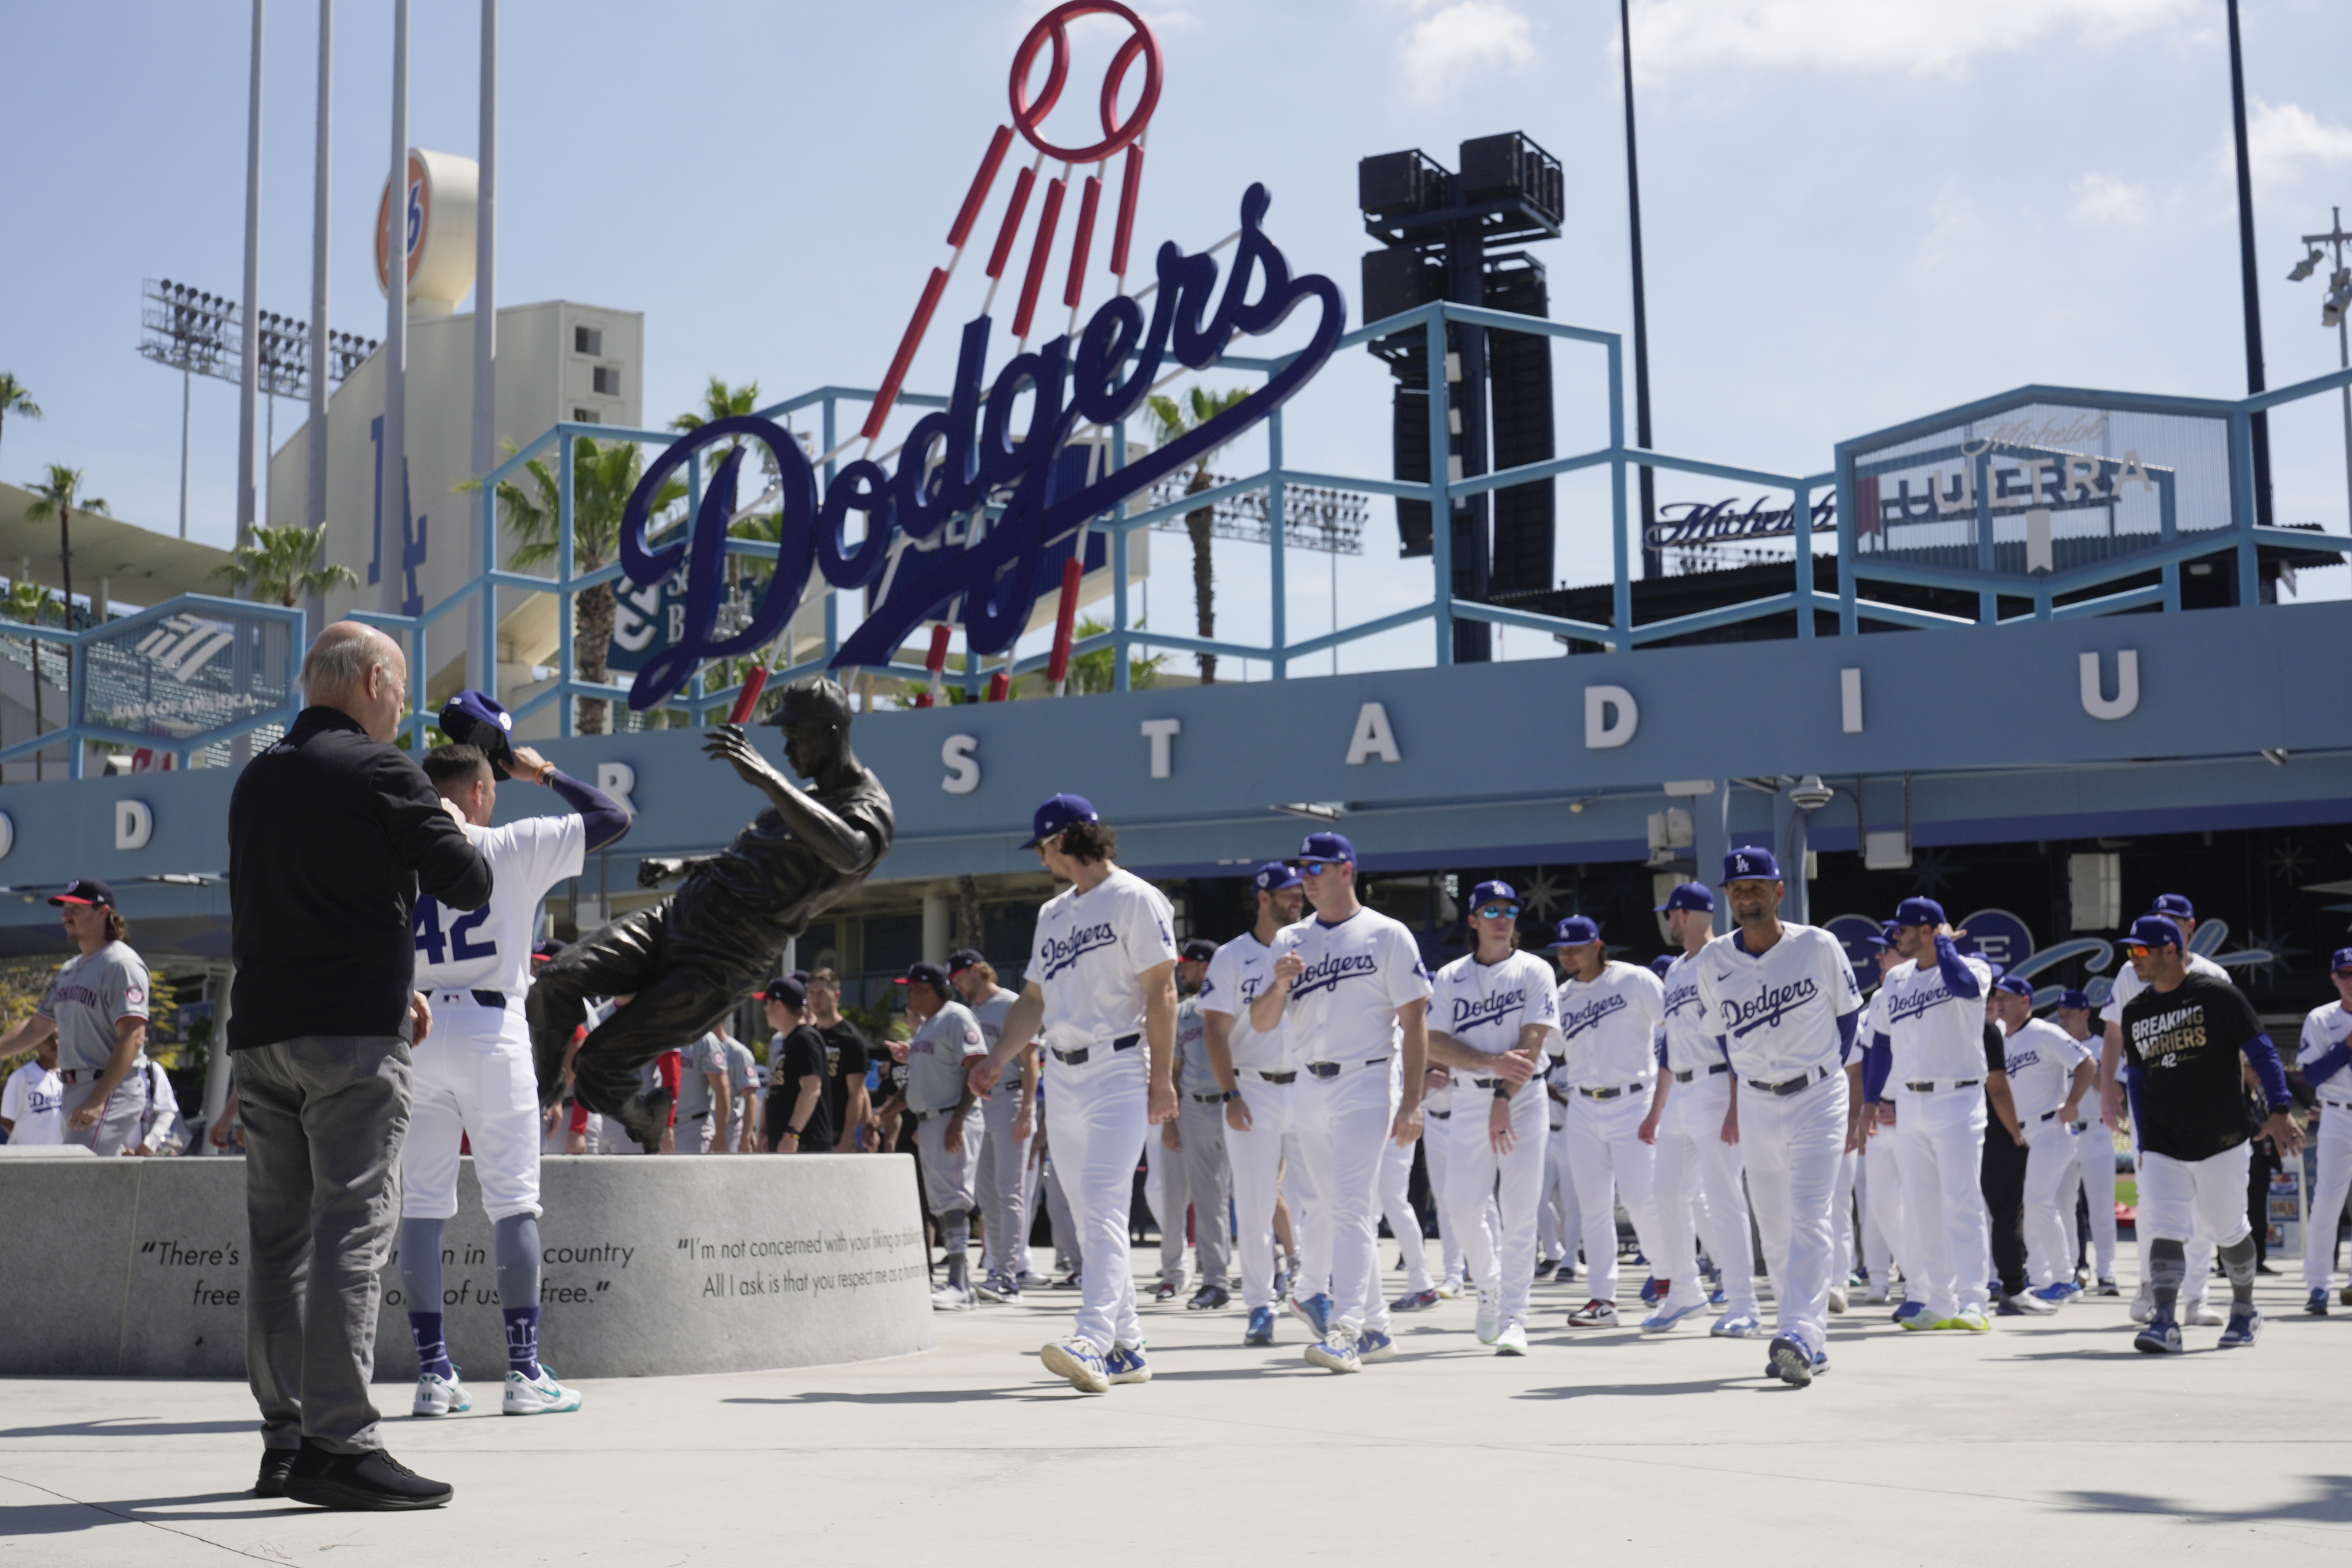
[1210, 1299]
[275, 1462]
[373, 1481]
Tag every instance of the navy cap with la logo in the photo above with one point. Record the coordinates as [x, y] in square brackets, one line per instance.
[1276, 875]
[1750, 865]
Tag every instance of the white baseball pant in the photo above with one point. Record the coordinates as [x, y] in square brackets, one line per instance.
[1343, 1133]
[2094, 1163]
[1256, 1160]
[1946, 1231]
[1609, 1164]
[1559, 1221]
[1101, 1116]
[2328, 1194]
[1003, 1190]
[1842, 1213]
[1881, 1179]
[1435, 1139]
[2050, 1177]
[1790, 1144]
[1405, 1225]
[2181, 1198]
[1492, 1197]
[474, 1080]
[1698, 1180]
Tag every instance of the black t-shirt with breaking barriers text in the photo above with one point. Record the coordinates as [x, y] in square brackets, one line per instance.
[2181, 1048]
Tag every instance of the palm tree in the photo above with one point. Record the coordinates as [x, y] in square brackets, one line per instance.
[1098, 670]
[1169, 421]
[14, 399]
[58, 496]
[282, 564]
[602, 481]
[719, 401]
[30, 602]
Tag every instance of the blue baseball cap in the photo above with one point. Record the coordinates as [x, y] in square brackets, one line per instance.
[1887, 934]
[963, 958]
[1689, 895]
[1274, 876]
[1660, 964]
[1918, 912]
[86, 890]
[2016, 985]
[1062, 811]
[2081, 1001]
[930, 974]
[1878, 939]
[1492, 893]
[1750, 865]
[471, 719]
[1326, 847]
[1197, 950]
[2176, 905]
[2155, 930]
[792, 993]
[1576, 931]
[2342, 962]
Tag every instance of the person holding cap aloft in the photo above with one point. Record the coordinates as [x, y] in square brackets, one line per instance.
[2322, 1057]
[2183, 1034]
[1609, 1019]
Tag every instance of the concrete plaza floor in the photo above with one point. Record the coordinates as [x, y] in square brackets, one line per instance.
[2048, 1440]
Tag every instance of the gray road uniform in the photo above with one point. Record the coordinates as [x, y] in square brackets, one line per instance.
[92, 995]
[1199, 1174]
[937, 1058]
[1005, 1180]
[698, 1111]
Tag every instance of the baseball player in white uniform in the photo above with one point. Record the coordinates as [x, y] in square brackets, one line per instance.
[1436, 1111]
[1609, 1019]
[1493, 1012]
[1783, 1000]
[2050, 1071]
[1009, 1128]
[2116, 1090]
[96, 1011]
[1101, 980]
[1258, 1071]
[1560, 1219]
[1881, 1175]
[2094, 1152]
[1696, 1127]
[1351, 983]
[2322, 1056]
[474, 1076]
[29, 1105]
[1932, 1009]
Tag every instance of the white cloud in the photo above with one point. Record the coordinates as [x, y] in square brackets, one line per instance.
[1925, 36]
[2108, 198]
[1446, 50]
[2283, 139]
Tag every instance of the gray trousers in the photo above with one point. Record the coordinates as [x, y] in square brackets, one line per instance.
[119, 1124]
[1200, 1178]
[1003, 1190]
[324, 1116]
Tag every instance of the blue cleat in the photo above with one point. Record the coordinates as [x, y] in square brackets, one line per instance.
[1716, 1298]
[1126, 1364]
[1337, 1352]
[1374, 1345]
[2245, 1325]
[2160, 1337]
[1792, 1362]
[1078, 1361]
[1261, 1327]
[1736, 1326]
[1416, 1301]
[1913, 1315]
[1315, 1311]
[1667, 1316]
[2058, 1295]
[2317, 1305]
[1650, 1290]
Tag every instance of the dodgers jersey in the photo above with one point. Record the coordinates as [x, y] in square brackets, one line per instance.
[1776, 1012]
[1936, 1033]
[2319, 1055]
[1342, 1008]
[1242, 969]
[1485, 1006]
[1690, 1040]
[1089, 950]
[92, 995]
[1611, 1026]
[488, 949]
[2042, 1061]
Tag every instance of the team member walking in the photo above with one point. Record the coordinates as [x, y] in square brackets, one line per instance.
[1258, 1073]
[2321, 1056]
[1881, 1178]
[1199, 1178]
[939, 1096]
[1932, 1009]
[1351, 983]
[2049, 1073]
[474, 1076]
[1493, 1012]
[2094, 1151]
[95, 1012]
[1783, 1000]
[2184, 1034]
[1609, 1018]
[1695, 1126]
[1101, 980]
[1008, 1128]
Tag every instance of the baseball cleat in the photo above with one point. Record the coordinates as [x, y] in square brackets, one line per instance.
[2245, 1327]
[1736, 1326]
[2143, 1307]
[542, 1395]
[2109, 1288]
[1667, 1315]
[1209, 1299]
[1417, 1302]
[1375, 1346]
[2059, 1294]
[1490, 1319]
[1837, 1298]
[951, 1298]
[2318, 1306]
[1716, 1298]
[1078, 1361]
[1069, 1281]
[1336, 1351]
[1261, 1327]
[1126, 1364]
[997, 1287]
[1029, 1279]
[2027, 1304]
[1315, 1311]
[1166, 1291]
[1792, 1362]
[1451, 1290]
[2205, 1315]
[438, 1396]
[1913, 1315]
[2161, 1337]
[1971, 1320]
[1513, 1340]
[1594, 1314]
[1654, 1290]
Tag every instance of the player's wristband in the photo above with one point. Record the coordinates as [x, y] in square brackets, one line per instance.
[793, 1133]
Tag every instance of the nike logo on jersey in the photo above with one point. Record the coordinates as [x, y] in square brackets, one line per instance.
[1771, 1004]
[1062, 952]
[1470, 1013]
[1574, 1021]
[1326, 973]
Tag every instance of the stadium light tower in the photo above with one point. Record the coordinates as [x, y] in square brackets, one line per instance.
[2331, 313]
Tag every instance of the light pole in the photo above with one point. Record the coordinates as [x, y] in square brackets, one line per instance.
[2331, 313]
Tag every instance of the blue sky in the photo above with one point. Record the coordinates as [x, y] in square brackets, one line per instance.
[1856, 211]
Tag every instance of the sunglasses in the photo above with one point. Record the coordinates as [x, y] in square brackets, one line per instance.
[1499, 912]
[1316, 868]
[2139, 949]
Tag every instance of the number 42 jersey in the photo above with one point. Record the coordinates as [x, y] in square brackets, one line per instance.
[488, 949]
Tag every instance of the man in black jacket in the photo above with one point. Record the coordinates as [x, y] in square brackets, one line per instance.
[332, 832]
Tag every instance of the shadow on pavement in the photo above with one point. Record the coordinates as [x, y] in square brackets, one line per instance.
[901, 1396]
[132, 1426]
[2330, 1503]
[1698, 1385]
[62, 1517]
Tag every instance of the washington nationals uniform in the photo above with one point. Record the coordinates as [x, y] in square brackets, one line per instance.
[1609, 1027]
[1694, 1162]
[1934, 1024]
[1003, 1190]
[91, 995]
